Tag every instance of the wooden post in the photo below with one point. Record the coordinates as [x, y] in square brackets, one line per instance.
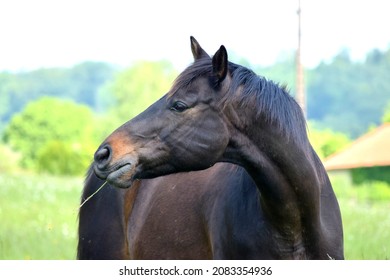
[300, 90]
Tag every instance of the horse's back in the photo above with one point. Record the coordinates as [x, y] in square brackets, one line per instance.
[214, 213]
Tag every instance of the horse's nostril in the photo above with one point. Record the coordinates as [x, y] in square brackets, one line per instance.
[103, 156]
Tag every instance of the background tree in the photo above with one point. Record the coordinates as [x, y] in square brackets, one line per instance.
[326, 141]
[80, 83]
[61, 127]
[349, 96]
[137, 87]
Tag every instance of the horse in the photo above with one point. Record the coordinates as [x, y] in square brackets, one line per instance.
[219, 168]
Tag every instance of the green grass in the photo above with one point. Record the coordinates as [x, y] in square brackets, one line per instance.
[366, 229]
[38, 218]
[365, 210]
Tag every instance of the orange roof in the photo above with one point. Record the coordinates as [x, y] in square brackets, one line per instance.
[372, 149]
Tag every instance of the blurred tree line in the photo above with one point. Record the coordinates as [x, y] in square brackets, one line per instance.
[80, 83]
[53, 119]
[343, 95]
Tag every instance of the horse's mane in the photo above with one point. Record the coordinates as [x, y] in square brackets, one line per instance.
[270, 101]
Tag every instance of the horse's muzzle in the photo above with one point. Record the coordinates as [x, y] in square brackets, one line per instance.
[118, 172]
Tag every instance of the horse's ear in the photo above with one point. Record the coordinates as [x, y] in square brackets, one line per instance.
[220, 63]
[197, 50]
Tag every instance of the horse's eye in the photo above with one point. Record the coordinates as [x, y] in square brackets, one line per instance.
[179, 106]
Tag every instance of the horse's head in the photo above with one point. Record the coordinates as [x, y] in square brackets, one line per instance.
[185, 130]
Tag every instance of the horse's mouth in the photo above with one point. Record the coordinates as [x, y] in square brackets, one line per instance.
[122, 176]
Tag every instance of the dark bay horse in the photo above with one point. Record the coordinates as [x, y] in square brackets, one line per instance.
[218, 168]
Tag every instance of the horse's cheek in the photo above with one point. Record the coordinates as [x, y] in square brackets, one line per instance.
[216, 140]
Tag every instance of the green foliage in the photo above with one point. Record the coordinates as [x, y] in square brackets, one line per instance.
[370, 174]
[32, 131]
[374, 191]
[325, 141]
[367, 191]
[60, 158]
[137, 87]
[349, 96]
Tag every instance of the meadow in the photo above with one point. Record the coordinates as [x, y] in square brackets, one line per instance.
[38, 215]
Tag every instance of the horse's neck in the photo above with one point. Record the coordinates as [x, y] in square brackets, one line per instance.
[287, 179]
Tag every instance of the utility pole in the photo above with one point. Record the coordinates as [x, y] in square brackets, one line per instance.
[300, 90]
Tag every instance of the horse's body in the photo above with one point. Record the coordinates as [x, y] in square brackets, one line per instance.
[274, 202]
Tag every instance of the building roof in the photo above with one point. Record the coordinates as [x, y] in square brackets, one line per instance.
[372, 149]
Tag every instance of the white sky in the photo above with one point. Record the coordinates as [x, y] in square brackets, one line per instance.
[47, 33]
